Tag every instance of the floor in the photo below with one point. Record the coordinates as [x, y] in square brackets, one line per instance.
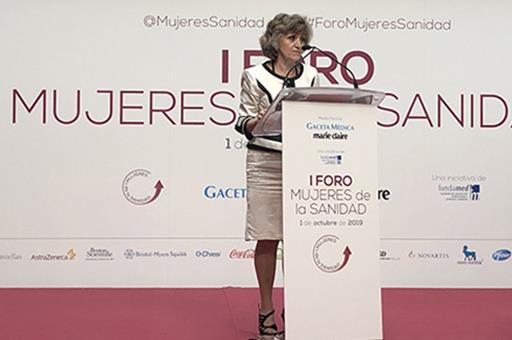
[230, 314]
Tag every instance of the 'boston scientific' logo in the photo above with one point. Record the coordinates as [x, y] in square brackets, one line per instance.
[98, 254]
[139, 188]
[329, 255]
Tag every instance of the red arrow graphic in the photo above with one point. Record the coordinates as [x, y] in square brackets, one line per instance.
[347, 254]
[158, 186]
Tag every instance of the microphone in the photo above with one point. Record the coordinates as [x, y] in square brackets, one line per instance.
[301, 59]
[312, 48]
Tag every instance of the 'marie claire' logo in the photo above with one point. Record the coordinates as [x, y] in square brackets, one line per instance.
[330, 136]
[139, 188]
[329, 255]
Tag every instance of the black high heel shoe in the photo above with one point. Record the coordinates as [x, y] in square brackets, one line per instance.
[267, 330]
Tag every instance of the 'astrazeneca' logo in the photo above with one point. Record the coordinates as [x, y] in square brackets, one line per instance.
[469, 256]
[207, 253]
[214, 192]
[98, 254]
[131, 254]
[329, 255]
[501, 255]
[69, 256]
[329, 127]
[140, 188]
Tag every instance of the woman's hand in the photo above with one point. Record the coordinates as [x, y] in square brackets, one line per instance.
[251, 124]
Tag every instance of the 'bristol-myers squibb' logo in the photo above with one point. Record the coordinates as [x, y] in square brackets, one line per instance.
[215, 192]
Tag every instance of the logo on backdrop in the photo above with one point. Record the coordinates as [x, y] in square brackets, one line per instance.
[140, 188]
[385, 255]
[69, 256]
[10, 257]
[428, 255]
[459, 188]
[131, 254]
[98, 254]
[207, 253]
[470, 256]
[384, 194]
[248, 254]
[329, 254]
[215, 192]
[501, 255]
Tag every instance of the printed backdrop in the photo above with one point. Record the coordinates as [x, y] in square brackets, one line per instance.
[121, 167]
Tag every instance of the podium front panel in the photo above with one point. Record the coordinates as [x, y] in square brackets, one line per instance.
[331, 231]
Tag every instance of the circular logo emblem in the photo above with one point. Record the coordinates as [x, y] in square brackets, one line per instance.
[329, 254]
[139, 188]
[129, 254]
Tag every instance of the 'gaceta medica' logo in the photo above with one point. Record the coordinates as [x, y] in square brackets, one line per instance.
[329, 127]
[215, 192]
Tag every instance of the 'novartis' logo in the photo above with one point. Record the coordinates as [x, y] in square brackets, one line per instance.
[140, 188]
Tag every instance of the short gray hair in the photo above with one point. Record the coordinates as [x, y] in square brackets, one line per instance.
[280, 25]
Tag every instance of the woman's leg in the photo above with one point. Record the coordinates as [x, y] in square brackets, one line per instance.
[265, 264]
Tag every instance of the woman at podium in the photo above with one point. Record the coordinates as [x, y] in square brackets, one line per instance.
[282, 43]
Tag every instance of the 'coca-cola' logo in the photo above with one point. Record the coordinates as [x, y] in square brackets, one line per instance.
[249, 254]
[241, 254]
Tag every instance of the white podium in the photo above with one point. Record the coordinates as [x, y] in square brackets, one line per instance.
[331, 230]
